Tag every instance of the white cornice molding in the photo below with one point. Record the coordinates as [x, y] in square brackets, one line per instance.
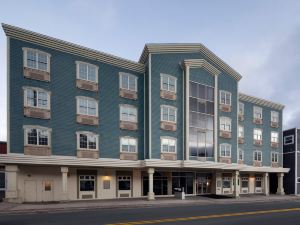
[260, 101]
[185, 48]
[57, 44]
[201, 63]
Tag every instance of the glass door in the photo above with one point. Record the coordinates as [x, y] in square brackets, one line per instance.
[203, 184]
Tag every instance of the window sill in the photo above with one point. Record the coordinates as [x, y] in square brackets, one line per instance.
[129, 156]
[168, 126]
[124, 93]
[257, 142]
[87, 85]
[225, 159]
[168, 95]
[241, 117]
[257, 121]
[274, 145]
[225, 134]
[168, 156]
[275, 164]
[274, 124]
[257, 163]
[225, 108]
[241, 140]
[126, 125]
[86, 153]
[240, 161]
[37, 150]
[39, 113]
[87, 120]
[36, 74]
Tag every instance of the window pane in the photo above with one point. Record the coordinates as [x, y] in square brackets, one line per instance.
[125, 81]
[83, 71]
[42, 61]
[209, 93]
[201, 91]
[83, 141]
[132, 83]
[91, 73]
[92, 142]
[31, 98]
[83, 106]
[42, 99]
[210, 108]
[201, 107]
[201, 144]
[32, 136]
[43, 137]
[31, 59]
[193, 104]
[193, 89]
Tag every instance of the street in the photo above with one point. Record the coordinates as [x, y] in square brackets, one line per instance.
[287, 212]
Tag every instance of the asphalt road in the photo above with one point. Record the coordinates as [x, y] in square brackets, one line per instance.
[273, 213]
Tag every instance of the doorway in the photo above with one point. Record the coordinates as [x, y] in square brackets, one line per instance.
[273, 183]
[203, 184]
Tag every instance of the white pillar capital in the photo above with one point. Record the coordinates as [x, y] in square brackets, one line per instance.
[64, 169]
[11, 168]
[150, 170]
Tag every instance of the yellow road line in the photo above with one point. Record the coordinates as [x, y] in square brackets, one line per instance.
[206, 217]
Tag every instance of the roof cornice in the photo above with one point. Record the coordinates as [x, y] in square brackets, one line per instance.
[199, 63]
[185, 48]
[260, 101]
[57, 44]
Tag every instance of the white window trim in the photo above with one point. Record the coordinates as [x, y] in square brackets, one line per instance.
[37, 51]
[131, 75]
[275, 153]
[260, 154]
[129, 106]
[275, 132]
[241, 126]
[241, 150]
[87, 133]
[225, 92]
[257, 108]
[171, 138]
[293, 138]
[225, 120]
[243, 111]
[88, 64]
[85, 98]
[169, 77]
[129, 137]
[227, 145]
[38, 90]
[276, 113]
[161, 113]
[261, 134]
[27, 127]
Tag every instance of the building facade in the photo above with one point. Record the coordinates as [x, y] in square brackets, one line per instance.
[3, 150]
[291, 158]
[83, 124]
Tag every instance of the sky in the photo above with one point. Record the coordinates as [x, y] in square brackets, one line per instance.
[258, 38]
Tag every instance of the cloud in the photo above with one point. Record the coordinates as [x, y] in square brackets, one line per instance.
[277, 76]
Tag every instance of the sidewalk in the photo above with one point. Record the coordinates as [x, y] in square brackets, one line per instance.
[133, 203]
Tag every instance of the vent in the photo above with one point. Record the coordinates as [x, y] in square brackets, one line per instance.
[124, 195]
[86, 196]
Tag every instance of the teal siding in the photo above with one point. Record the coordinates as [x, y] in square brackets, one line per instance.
[63, 103]
[227, 83]
[266, 149]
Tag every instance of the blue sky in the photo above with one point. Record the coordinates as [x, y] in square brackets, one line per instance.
[258, 38]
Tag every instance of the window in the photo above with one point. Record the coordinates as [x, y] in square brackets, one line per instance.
[245, 182]
[128, 145]
[257, 112]
[87, 106]
[36, 97]
[128, 82]
[225, 150]
[241, 154]
[226, 182]
[168, 145]
[241, 108]
[168, 113]
[258, 182]
[124, 183]
[225, 124]
[257, 156]
[168, 83]
[241, 131]
[274, 157]
[128, 113]
[87, 182]
[36, 135]
[274, 116]
[87, 140]
[35, 59]
[2, 180]
[225, 98]
[288, 140]
[274, 137]
[86, 71]
[257, 134]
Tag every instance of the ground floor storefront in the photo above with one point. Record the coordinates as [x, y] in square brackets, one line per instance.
[27, 183]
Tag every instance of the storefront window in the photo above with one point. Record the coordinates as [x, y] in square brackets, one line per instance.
[87, 182]
[244, 182]
[258, 181]
[226, 182]
[124, 183]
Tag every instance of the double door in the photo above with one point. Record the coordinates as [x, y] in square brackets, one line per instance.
[203, 184]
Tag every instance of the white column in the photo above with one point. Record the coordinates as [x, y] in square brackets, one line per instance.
[280, 189]
[151, 193]
[236, 184]
[137, 183]
[187, 112]
[266, 183]
[11, 193]
[64, 176]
